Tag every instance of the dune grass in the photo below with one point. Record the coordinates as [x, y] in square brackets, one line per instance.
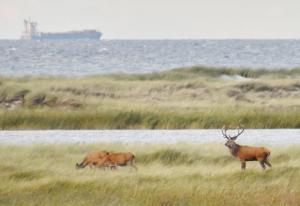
[195, 97]
[179, 174]
[152, 119]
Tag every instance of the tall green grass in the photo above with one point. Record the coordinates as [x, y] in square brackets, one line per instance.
[151, 119]
[180, 174]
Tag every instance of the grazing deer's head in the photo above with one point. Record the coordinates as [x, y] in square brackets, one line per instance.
[231, 139]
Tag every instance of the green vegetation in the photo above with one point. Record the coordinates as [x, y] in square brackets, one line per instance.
[195, 97]
[180, 174]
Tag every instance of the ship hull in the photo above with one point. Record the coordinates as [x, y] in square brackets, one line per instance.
[93, 35]
[31, 33]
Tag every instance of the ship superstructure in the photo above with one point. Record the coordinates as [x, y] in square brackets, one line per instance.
[31, 33]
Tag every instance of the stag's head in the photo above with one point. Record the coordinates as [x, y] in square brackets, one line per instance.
[230, 143]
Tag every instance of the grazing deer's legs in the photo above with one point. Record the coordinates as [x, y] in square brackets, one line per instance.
[92, 169]
[243, 165]
[262, 163]
[91, 166]
[113, 167]
[268, 163]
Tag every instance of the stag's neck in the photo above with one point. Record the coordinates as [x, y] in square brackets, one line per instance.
[234, 149]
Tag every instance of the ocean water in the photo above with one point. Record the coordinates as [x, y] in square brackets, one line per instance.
[250, 136]
[77, 58]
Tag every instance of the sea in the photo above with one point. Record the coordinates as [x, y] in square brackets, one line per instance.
[90, 57]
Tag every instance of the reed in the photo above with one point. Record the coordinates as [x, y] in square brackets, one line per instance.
[139, 119]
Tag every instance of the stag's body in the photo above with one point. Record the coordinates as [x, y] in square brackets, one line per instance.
[247, 153]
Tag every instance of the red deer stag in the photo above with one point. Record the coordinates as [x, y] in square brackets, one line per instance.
[92, 157]
[246, 153]
[113, 160]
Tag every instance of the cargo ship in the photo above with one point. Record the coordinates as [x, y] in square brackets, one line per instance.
[31, 33]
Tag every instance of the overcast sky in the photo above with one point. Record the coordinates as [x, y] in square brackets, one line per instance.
[157, 19]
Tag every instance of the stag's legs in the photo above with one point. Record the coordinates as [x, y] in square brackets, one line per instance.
[262, 163]
[243, 165]
[268, 163]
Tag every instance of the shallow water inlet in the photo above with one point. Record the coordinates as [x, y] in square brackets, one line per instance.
[250, 136]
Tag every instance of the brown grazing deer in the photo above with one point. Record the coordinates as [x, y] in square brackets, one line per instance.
[90, 158]
[104, 163]
[246, 153]
[112, 160]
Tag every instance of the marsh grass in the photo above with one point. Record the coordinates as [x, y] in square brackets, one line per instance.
[179, 174]
[195, 97]
[148, 118]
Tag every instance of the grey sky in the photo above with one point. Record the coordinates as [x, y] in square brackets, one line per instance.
[157, 19]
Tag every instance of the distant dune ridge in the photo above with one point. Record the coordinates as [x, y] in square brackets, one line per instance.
[192, 97]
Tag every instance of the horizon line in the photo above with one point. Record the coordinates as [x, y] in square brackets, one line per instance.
[170, 39]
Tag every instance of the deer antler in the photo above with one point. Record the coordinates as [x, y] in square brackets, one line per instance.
[240, 131]
[224, 129]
